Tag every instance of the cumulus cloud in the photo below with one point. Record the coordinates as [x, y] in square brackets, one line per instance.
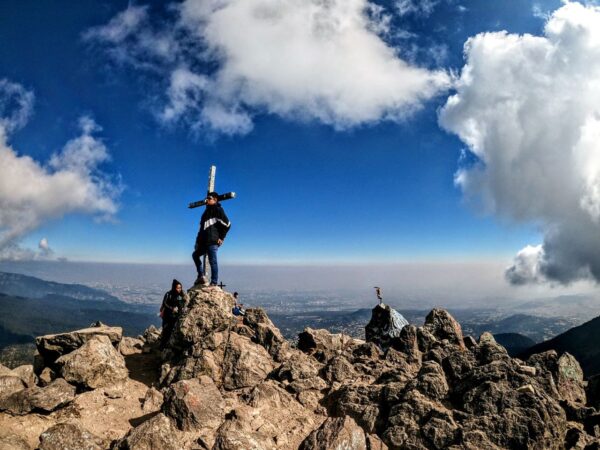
[528, 108]
[299, 59]
[44, 248]
[16, 106]
[32, 193]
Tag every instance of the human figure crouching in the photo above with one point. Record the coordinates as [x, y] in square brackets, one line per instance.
[171, 307]
[214, 226]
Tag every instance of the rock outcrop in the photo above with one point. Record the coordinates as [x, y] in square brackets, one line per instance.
[226, 384]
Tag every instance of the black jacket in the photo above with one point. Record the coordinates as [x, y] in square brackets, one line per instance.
[214, 225]
[171, 303]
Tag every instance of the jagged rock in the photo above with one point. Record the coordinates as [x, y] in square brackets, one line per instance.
[151, 336]
[299, 374]
[53, 346]
[158, 432]
[362, 402]
[95, 364]
[13, 442]
[10, 384]
[47, 399]
[338, 369]
[570, 382]
[46, 376]
[152, 401]
[266, 334]
[443, 326]
[269, 419]
[244, 364]
[194, 404]
[207, 312]
[336, 433]
[323, 345]
[385, 325]
[531, 371]
[69, 436]
[131, 346]
[27, 374]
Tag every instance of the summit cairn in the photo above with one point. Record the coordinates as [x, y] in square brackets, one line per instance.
[225, 384]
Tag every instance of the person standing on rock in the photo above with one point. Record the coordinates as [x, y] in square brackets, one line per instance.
[171, 307]
[214, 226]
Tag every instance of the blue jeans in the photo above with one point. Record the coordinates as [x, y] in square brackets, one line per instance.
[211, 251]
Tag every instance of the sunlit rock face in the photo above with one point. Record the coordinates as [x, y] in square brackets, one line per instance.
[229, 383]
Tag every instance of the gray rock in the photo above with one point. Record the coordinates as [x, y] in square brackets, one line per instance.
[386, 324]
[53, 346]
[46, 399]
[194, 404]
[10, 384]
[95, 364]
[27, 374]
[157, 433]
[336, 433]
[13, 442]
[69, 436]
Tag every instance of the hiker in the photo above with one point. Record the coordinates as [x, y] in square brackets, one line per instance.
[171, 307]
[238, 310]
[214, 226]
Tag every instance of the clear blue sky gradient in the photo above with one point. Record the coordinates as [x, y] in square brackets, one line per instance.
[305, 191]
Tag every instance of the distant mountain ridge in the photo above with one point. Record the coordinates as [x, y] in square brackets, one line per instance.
[583, 342]
[26, 286]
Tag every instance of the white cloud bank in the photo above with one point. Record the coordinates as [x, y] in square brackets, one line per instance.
[529, 108]
[299, 59]
[32, 193]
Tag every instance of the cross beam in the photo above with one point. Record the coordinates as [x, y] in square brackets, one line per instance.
[211, 188]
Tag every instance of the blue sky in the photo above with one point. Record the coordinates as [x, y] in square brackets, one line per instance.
[380, 190]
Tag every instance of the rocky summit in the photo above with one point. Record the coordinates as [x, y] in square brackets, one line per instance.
[226, 383]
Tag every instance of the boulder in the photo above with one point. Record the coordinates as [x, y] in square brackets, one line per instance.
[569, 380]
[13, 442]
[10, 384]
[95, 364]
[27, 374]
[385, 325]
[244, 364]
[46, 399]
[268, 419]
[151, 336]
[158, 432]
[336, 433]
[323, 344]
[194, 404]
[53, 346]
[442, 326]
[152, 401]
[131, 346]
[266, 334]
[69, 436]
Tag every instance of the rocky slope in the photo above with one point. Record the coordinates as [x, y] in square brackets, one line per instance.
[225, 384]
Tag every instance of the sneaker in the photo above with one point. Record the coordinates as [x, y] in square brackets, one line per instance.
[215, 285]
[201, 280]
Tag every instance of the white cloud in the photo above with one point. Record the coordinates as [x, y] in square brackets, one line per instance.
[528, 107]
[299, 59]
[44, 248]
[16, 106]
[31, 193]
[416, 7]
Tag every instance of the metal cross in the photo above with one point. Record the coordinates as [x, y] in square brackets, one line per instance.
[211, 188]
[221, 285]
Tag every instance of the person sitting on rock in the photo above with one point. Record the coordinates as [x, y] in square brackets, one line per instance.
[171, 307]
[238, 310]
[214, 226]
